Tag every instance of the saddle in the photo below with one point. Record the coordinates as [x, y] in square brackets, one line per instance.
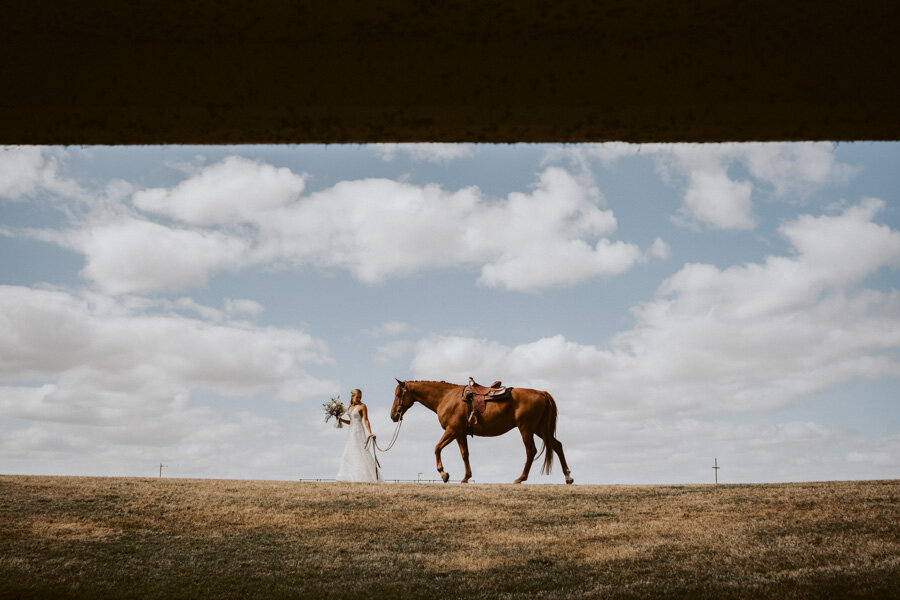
[477, 396]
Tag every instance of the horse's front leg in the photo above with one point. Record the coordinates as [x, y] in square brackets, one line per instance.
[464, 450]
[445, 439]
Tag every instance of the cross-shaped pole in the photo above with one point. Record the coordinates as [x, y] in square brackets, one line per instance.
[161, 468]
[716, 468]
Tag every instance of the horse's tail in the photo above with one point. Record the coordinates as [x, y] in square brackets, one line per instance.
[548, 432]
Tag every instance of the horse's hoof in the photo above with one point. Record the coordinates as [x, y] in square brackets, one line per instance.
[518, 481]
[464, 481]
[445, 477]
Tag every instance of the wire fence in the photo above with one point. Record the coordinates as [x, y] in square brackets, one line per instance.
[321, 479]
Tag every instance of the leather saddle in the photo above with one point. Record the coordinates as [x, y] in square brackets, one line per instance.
[477, 396]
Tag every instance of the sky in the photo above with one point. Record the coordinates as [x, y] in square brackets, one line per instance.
[195, 306]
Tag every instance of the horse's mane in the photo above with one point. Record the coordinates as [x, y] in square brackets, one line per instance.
[435, 382]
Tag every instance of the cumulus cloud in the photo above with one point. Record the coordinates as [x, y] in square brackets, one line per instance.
[379, 228]
[97, 380]
[241, 213]
[713, 197]
[130, 255]
[748, 338]
[89, 345]
[437, 153]
[28, 170]
[230, 191]
[795, 168]
[106, 385]
[658, 249]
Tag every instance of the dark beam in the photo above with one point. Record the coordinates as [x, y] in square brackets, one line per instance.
[238, 71]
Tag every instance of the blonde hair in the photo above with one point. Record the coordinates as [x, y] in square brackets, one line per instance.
[358, 393]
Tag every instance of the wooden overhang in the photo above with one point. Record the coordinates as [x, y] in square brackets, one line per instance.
[326, 71]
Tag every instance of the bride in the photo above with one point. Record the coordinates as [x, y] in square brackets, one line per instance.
[358, 464]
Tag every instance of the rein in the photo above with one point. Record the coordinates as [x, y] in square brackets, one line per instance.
[376, 448]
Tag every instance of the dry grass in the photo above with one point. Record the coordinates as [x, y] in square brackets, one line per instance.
[90, 537]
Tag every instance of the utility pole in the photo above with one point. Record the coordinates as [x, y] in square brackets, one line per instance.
[716, 468]
[161, 468]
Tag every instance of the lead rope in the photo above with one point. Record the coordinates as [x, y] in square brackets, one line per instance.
[376, 447]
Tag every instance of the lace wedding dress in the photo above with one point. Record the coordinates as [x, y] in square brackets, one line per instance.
[358, 464]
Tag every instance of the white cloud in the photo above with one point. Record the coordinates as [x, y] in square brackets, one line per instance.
[540, 266]
[250, 308]
[748, 338]
[659, 249]
[26, 171]
[232, 309]
[93, 346]
[843, 249]
[712, 197]
[437, 153]
[374, 228]
[21, 171]
[387, 329]
[797, 168]
[129, 255]
[381, 228]
[231, 191]
[100, 385]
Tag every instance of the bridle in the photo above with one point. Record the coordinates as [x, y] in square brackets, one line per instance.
[403, 405]
[371, 439]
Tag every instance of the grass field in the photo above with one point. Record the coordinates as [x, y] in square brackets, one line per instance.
[175, 538]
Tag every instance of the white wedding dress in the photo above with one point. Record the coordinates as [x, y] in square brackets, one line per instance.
[358, 463]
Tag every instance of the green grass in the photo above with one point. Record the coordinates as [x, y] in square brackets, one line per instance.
[171, 538]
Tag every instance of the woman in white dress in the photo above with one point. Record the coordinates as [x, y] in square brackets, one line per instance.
[358, 464]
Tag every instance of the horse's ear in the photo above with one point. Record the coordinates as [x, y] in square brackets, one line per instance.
[398, 381]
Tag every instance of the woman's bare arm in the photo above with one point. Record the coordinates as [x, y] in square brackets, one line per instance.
[365, 415]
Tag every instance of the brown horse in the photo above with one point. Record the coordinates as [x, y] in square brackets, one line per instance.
[532, 411]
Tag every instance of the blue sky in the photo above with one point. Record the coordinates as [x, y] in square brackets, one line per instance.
[196, 305]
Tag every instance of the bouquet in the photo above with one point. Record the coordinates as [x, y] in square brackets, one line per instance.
[334, 408]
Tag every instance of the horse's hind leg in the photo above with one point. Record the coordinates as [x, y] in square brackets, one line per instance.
[557, 447]
[530, 452]
[464, 450]
[445, 439]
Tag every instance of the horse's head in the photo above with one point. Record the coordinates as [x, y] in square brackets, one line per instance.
[402, 401]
